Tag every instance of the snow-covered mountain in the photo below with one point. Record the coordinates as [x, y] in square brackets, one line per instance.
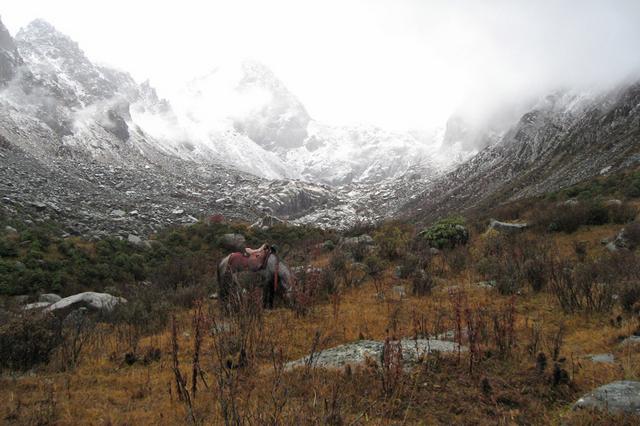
[88, 145]
[248, 99]
[566, 137]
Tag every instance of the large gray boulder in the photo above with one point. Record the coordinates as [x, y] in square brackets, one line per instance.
[358, 352]
[236, 242]
[90, 300]
[507, 226]
[617, 397]
[135, 240]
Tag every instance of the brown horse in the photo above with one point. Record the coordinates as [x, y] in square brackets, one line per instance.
[275, 278]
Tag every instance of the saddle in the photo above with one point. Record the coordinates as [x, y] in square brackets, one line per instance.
[251, 260]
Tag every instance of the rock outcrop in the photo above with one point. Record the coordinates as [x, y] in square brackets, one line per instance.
[617, 397]
[358, 352]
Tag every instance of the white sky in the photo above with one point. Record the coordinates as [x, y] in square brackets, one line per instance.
[398, 64]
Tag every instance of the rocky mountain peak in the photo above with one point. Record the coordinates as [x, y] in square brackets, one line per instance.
[59, 65]
[41, 32]
[279, 124]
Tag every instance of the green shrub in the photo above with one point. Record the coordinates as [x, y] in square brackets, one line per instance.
[392, 239]
[447, 233]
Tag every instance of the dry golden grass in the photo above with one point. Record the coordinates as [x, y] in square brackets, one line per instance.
[103, 389]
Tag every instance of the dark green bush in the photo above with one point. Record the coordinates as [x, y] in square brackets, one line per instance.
[446, 233]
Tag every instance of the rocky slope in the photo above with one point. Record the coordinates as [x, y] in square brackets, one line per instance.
[73, 148]
[566, 138]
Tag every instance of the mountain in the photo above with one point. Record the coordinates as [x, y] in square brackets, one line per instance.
[87, 146]
[564, 139]
[247, 99]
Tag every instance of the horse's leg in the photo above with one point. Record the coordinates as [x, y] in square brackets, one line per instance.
[267, 295]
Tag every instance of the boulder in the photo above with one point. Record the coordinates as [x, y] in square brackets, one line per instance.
[49, 298]
[89, 300]
[135, 240]
[617, 397]
[507, 226]
[602, 358]
[235, 242]
[35, 305]
[358, 352]
[117, 213]
[10, 230]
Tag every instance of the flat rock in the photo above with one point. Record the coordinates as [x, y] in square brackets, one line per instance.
[35, 305]
[507, 226]
[631, 340]
[357, 352]
[602, 358]
[89, 299]
[617, 397]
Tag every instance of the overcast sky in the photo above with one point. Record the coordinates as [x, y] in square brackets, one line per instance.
[397, 64]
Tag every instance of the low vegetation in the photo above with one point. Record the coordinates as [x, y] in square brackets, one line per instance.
[530, 307]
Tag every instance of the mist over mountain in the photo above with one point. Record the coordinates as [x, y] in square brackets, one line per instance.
[239, 129]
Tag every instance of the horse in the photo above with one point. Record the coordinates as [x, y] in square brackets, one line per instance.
[275, 276]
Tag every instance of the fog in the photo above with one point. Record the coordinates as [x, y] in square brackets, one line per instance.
[396, 64]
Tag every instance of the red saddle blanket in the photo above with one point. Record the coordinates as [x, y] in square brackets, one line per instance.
[254, 262]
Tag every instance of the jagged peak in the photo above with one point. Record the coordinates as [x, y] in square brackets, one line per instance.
[39, 29]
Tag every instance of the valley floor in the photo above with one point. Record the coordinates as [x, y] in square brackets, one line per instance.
[498, 382]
